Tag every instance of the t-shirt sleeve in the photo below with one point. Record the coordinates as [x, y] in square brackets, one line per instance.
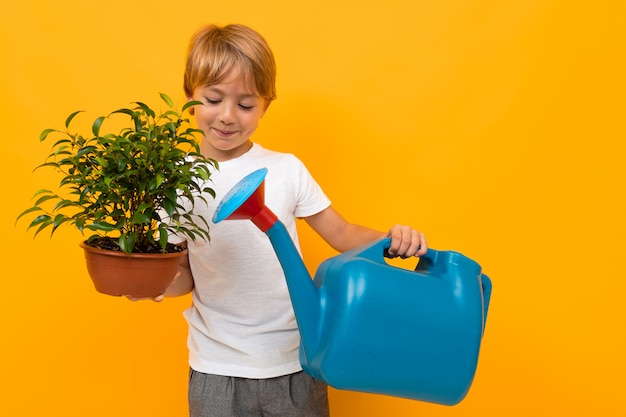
[311, 197]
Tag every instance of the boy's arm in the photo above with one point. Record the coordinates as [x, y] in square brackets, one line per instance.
[342, 235]
[183, 281]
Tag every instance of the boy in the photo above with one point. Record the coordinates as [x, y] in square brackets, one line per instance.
[243, 340]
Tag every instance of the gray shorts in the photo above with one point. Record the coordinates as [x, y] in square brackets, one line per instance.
[295, 395]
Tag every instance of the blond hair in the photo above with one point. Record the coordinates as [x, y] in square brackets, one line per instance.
[215, 51]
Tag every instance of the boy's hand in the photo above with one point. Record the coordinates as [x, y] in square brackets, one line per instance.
[156, 299]
[406, 242]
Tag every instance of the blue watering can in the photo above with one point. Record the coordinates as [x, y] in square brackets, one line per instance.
[371, 327]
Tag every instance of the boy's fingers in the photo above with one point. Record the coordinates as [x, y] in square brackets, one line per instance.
[156, 299]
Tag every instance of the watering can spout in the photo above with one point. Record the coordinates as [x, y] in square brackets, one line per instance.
[246, 200]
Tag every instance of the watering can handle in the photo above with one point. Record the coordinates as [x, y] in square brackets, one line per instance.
[377, 250]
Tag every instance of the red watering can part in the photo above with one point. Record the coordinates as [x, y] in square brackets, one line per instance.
[246, 201]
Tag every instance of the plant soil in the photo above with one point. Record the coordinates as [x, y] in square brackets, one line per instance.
[108, 243]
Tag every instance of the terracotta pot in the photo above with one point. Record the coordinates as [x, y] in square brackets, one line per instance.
[135, 275]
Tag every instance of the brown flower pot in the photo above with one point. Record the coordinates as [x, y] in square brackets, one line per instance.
[136, 275]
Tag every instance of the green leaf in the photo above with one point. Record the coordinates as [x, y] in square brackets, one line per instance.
[124, 111]
[62, 150]
[209, 191]
[63, 203]
[163, 236]
[45, 134]
[102, 226]
[60, 141]
[58, 220]
[25, 212]
[159, 179]
[127, 242]
[171, 115]
[70, 118]
[203, 171]
[169, 206]
[166, 99]
[44, 218]
[42, 191]
[47, 164]
[190, 104]
[143, 207]
[140, 218]
[145, 108]
[95, 128]
[170, 193]
[138, 124]
[41, 227]
[86, 149]
[45, 198]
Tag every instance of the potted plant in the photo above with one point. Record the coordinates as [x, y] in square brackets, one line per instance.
[131, 189]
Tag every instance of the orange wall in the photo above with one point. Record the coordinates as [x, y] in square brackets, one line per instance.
[496, 127]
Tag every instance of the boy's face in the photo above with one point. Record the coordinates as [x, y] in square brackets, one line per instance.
[230, 114]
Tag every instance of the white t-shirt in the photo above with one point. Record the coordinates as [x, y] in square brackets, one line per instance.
[241, 322]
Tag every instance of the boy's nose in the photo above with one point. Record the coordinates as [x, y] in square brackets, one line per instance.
[227, 115]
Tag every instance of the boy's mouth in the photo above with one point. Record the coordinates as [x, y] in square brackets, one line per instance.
[224, 133]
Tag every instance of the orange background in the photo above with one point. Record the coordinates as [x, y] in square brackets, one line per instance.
[495, 127]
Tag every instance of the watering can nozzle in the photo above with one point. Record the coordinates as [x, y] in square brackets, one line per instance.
[246, 201]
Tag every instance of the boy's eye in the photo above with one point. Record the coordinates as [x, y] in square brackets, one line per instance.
[244, 107]
[211, 101]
